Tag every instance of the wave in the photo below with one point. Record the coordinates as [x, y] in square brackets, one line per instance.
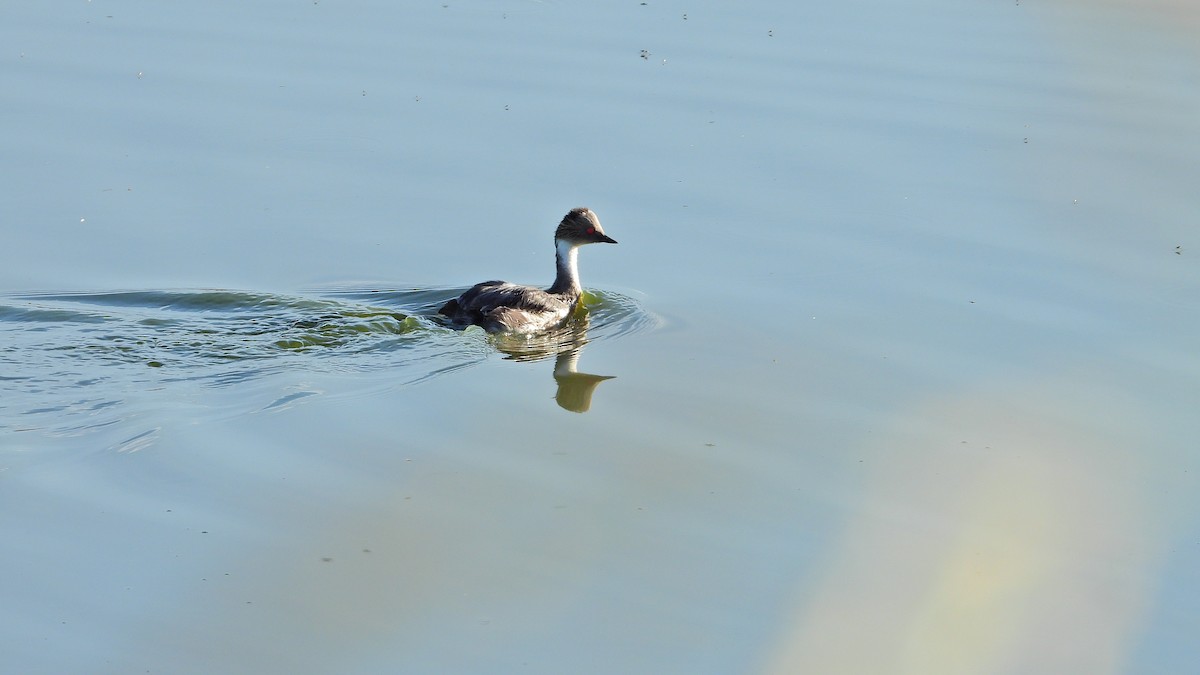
[72, 359]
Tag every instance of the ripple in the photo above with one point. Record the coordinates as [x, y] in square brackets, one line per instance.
[76, 362]
[606, 315]
[616, 314]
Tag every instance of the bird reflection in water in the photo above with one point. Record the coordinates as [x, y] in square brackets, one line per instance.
[565, 344]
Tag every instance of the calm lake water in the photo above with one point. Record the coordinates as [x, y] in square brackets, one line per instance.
[894, 370]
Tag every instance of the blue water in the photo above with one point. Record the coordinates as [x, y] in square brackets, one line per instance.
[76, 362]
[893, 369]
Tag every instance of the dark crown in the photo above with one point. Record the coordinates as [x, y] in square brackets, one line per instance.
[581, 225]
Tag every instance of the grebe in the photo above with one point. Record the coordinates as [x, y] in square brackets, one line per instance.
[499, 306]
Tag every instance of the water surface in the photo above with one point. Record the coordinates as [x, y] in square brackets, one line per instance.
[893, 370]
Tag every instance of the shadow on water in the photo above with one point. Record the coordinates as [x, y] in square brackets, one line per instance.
[602, 314]
[75, 362]
[575, 389]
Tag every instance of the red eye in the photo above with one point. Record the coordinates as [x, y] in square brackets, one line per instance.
[591, 230]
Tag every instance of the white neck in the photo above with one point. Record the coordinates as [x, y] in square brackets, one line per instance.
[566, 257]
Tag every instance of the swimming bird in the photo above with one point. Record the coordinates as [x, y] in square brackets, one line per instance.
[499, 306]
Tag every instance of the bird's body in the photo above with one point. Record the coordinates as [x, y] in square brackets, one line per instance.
[500, 306]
